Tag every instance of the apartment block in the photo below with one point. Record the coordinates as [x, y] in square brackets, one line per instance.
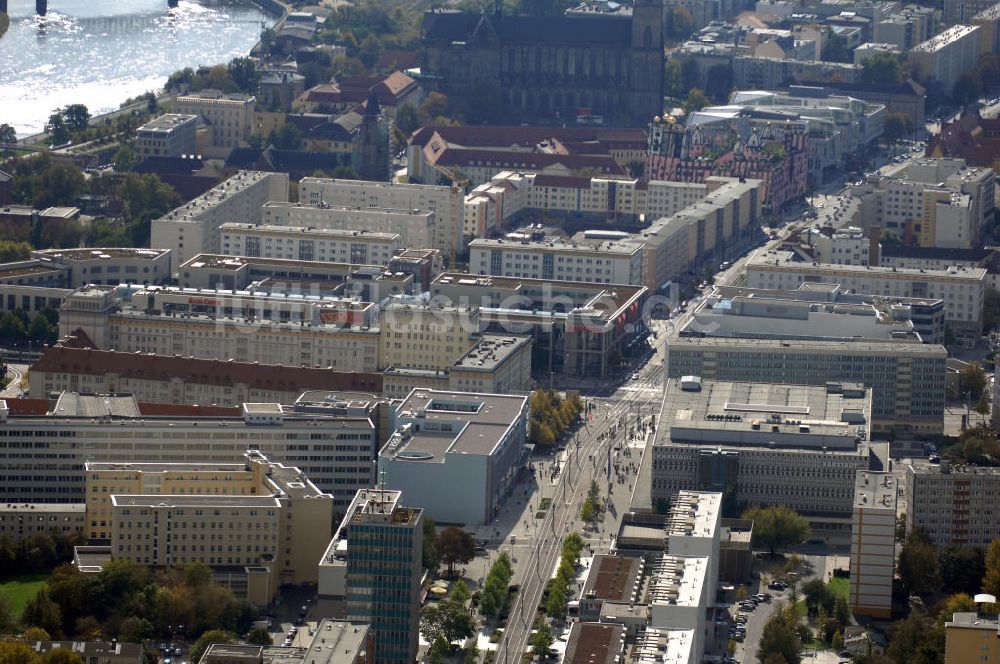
[309, 244]
[963, 11]
[988, 22]
[873, 544]
[334, 332]
[939, 203]
[108, 265]
[115, 429]
[611, 579]
[693, 530]
[609, 262]
[419, 335]
[414, 227]
[71, 366]
[193, 228]
[961, 289]
[169, 135]
[228, 117]
[971, 637]
[447, 204]
[260, 513]
[594, 643]
[763, 444]
[954, 504]
[471, 443]
[20, 521]
[947, 55]
[655, 646]
[372, 569]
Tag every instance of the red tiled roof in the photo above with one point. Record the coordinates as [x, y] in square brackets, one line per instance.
[398, 59]
[23, 407]
[143, 366]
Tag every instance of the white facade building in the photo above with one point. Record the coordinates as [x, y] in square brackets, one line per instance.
[447, 204]
[193, 228]
[947, 55]
[309, 244]
[601, 262]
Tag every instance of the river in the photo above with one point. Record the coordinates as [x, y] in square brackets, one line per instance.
[102, 52]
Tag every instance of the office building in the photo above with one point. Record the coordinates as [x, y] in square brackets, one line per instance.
[694, 530]
[113, 428]
[961, 289]
[425, 335]
[594, 643]
[107, 265]
[309, 244]
[947, 55]
[372, 567]
[261, 514]
[414, 227]
[763, 444]
[873, 544]
[678, 593]
[574, 326]
[907, 377]
[72, 366]
[169, 135]
[471, 443]
[597, 261]
[953, 504]
[971, 637]
[930, 203]
[20, 521]
[193, 228]
[611, 578]
[827, 311]
[227, 117]
[656, 646]
[497, 364]
[446, 203]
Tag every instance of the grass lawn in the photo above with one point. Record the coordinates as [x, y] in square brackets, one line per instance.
[19, 590]
[838, 587]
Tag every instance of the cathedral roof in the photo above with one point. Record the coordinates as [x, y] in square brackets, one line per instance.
[460, 26]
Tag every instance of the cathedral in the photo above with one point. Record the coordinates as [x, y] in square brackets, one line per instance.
[548, 70]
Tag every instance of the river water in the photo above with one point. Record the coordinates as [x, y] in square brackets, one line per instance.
[101, 52]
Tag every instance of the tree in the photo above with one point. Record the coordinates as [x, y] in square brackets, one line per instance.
[41, 611]
[447, 619]
[555, 605]
[542, 639]
[152, 103]
[61, 656]
[11, 250]
[407, 119]
[429, 558]
[776, 527]
[690, 74]
[56, 129]
[435, 105]
[455, 546]
[719, 83]
[58, 184]
[837, 641]
[460, 592]
[208, 638]
[286, 137]
[881, 69]
[696, 100]
[145, 197]
[781, 636]
[76, 117]
[918, 565]
[125, 159]
[961, 568]
[916, 639]
[817, 596]
[991, 580]
[18, 652]
[672, 77]
[991, 305]
[983, 405]
[438, 650]
[957, 603]
[243, 72]
[973, 379]
[897, 126]
[835, 49]
[135, 630]
[678, 24]
[345, 173]
[7, 134]
[7, 621]
[259, 636]
[967, 88]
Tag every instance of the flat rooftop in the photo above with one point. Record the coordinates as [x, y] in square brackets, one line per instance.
[613, 578]
[694, 513]
[201, 500]
[234, 263]
[108, 466]
[333, 209]
[20, 269]
[875, 490]
[337, 642]
[696, 411]
[490, 352]
[168, 122]
[594, 643]
[972, 620]
[780, 259]
[329, 233]
[73, 404]
[664, 646]
[678, 581]
[101, 253]
[549, 245]
[875, 347]
[193, 210]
